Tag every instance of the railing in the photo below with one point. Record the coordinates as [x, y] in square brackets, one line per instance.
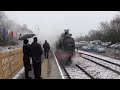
[10, 63]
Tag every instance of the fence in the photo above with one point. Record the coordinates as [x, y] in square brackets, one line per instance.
[10, 63]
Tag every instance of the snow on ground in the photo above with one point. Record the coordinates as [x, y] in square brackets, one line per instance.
[19, 74]
[95, 70]
[76, 73]
[75, 58]
[102, 57]
[9, 48]
[117, 68]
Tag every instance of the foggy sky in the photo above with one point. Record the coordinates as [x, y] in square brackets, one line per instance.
[52, 23]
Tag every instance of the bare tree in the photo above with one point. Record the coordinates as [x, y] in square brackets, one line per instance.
[10, 25]
[107, 31]
[2, 16]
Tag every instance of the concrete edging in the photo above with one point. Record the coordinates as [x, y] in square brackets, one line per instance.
[58, 66]
[19, 74]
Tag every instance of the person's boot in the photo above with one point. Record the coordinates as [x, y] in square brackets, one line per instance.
[40, 77]
[29, 77]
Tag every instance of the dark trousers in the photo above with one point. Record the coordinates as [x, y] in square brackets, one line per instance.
[26, 73]
[27, 67]
[46, 54]
[37, 69]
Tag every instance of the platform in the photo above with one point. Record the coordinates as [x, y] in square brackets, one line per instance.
[49, 69]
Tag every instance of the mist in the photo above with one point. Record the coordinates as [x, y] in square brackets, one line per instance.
[50, 24]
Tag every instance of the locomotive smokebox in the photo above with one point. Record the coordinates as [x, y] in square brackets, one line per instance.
[65, 47]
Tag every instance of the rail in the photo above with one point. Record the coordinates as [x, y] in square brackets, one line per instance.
[102, 59]
[112, 63]
[85, 71]
[58, 67]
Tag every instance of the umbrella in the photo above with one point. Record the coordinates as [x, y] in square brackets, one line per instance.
[26, 36]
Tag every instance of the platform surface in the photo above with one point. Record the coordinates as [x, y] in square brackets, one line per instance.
[49, 69]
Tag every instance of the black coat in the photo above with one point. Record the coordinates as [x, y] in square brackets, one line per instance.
[46, 46]
[36, 50]
[26, 55]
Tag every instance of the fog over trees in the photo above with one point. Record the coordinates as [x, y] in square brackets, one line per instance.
[11, 26]
[106, 31]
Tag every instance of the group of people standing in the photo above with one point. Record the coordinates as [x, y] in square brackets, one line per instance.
[34, 52]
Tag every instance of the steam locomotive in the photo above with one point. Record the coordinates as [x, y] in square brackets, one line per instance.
[65, 48]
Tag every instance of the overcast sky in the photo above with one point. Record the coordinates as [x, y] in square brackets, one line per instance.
[52, 23]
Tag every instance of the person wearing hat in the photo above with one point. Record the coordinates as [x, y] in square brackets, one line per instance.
[26, 58]
[36, 52]
[46, 47]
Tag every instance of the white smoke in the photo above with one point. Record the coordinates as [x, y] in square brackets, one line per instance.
[75, 59]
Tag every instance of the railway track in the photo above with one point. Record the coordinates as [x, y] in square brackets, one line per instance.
[91, 67]
[104, 63]
[75, 72]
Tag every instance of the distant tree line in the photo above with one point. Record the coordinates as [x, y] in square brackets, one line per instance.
[106, 32]
[10, 30]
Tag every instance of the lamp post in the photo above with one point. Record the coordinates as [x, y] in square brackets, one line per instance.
[37, 27]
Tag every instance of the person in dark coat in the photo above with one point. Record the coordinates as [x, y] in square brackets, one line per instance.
[26, 58]
[36, 52]
[46, 47]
